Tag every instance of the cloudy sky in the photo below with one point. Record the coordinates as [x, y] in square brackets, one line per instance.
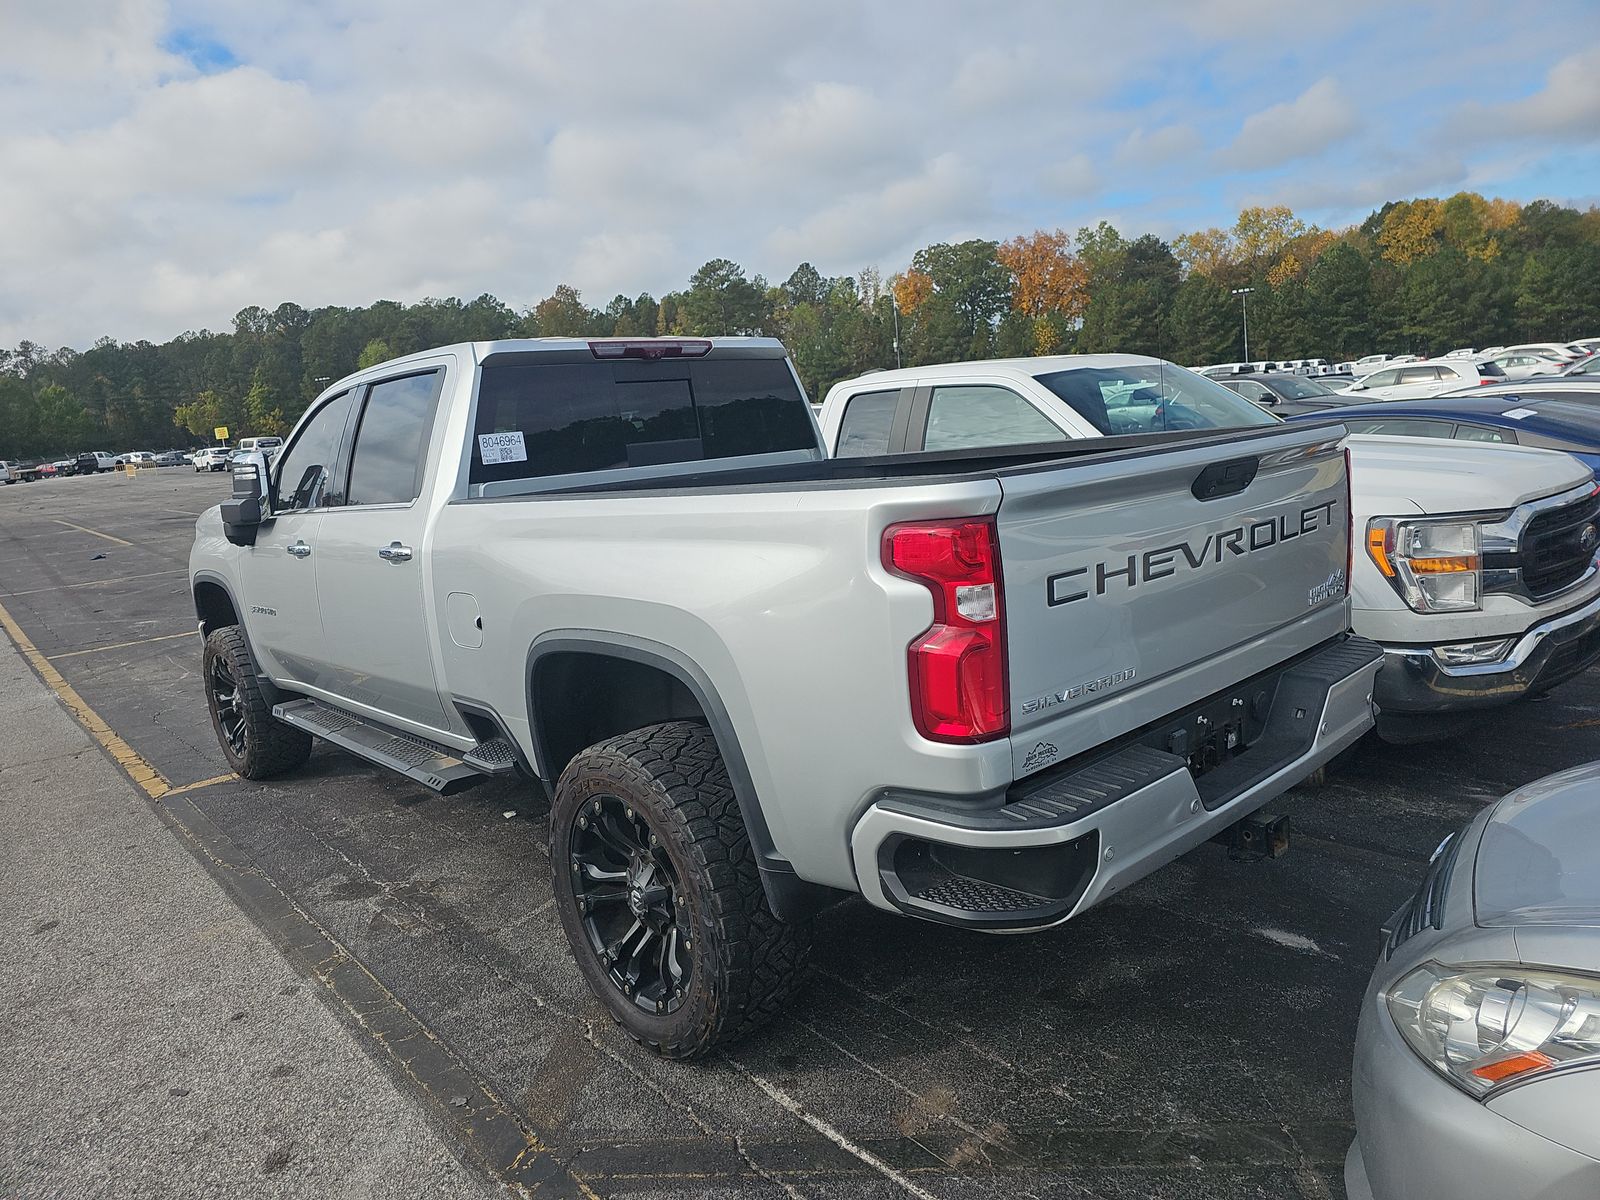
[165, 164]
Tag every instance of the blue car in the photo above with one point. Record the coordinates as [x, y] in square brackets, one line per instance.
[1546, 416]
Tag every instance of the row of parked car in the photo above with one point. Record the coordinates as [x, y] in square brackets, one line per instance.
[94, 462]
[1523, 361]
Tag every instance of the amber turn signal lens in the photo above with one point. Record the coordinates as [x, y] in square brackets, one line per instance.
[1444, 566]
[1378, 548]
[1517, 1064]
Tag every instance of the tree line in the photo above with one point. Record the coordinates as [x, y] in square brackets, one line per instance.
[1417, 276]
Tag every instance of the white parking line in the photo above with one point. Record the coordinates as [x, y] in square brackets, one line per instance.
[165, 637]
[61, 587]
[788, 1102]
[95, 532]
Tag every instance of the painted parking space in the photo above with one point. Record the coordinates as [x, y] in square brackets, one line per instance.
[1190, 1038]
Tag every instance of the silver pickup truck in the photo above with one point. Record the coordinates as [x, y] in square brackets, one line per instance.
[985, 689]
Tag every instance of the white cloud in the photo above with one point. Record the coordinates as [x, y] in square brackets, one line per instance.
[1071, 177]
[1163, 146]
[399, 148]
[1318, 118]
[1568, 106]
[946, 194]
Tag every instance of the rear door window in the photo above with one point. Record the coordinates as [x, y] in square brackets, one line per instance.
[386, 466]
[562, 418]
[867, 423]
[974, 415]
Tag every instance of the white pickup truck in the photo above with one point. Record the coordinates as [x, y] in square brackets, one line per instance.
[1477, 572]
[985, 689]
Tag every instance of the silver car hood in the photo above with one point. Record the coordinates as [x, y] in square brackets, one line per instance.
[1538, 861]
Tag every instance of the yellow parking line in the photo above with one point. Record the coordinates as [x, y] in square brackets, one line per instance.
[61, 587]
[96, 532]
[204, 783]
[142, 773]
[166, 637]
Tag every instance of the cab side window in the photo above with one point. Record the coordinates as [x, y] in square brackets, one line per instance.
[974, 415]
[387, 465]
[306, 470]
[866, 425]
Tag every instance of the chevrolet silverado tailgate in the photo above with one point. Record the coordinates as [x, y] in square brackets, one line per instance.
[1145, 581]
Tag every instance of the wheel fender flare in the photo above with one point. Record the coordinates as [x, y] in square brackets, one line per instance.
[790, 897]
[269, 689]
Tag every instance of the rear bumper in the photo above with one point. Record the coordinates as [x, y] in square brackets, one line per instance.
[1067, 838]
[1414, 681]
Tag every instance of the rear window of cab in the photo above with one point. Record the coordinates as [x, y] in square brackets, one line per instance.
[537, 420]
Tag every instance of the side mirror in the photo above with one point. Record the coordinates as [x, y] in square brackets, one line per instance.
[250, 504]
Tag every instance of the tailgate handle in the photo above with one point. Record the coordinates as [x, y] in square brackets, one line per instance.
[1224, 478]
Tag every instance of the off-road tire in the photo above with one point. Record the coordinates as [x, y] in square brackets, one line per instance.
[744, 961]
[269, 747]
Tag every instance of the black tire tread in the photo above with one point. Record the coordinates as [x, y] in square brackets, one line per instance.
[271, 747]
[760, 959]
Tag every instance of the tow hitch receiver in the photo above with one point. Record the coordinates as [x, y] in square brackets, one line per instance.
[1260, 835]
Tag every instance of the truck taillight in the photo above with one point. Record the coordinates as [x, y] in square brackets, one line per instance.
[957, 665]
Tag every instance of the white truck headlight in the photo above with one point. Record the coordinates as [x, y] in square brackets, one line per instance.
[1435, 566]
[1484, 1026]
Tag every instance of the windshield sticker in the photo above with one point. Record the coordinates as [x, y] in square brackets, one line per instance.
[1516, 414]
[502, 448]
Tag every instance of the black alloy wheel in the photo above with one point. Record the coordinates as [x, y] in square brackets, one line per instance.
[256, 744]
[660, 895]
[227, 706]
[628, 900]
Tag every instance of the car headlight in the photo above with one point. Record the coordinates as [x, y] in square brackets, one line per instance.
[1484, 1026]
[1435, 566]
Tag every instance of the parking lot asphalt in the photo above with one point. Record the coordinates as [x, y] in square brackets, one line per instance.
[1190, 1038]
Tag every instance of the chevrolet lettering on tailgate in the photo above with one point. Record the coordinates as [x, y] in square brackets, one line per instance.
[1065, 587]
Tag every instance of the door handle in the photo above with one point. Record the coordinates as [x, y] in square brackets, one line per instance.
[299, 550]
[395, 552]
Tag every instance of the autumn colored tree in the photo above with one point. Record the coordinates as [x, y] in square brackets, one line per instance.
[1046, 277]
[1263, 234]
[1411, 231]
[1208, 252]
[912, 289]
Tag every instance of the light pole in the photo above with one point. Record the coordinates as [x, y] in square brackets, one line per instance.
[1244, 308]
